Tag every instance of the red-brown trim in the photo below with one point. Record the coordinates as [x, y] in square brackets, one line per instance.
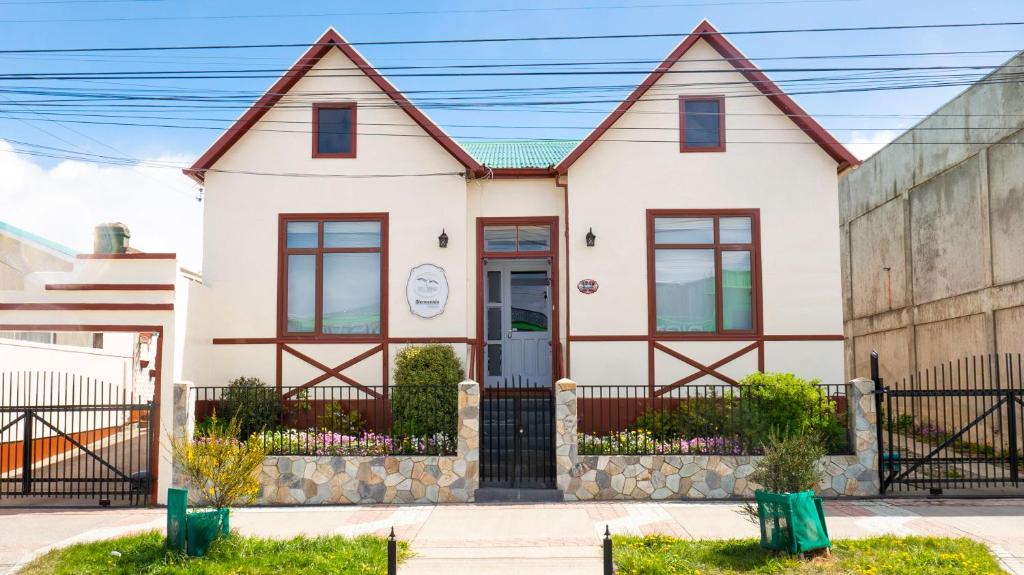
[283, 251]
[154, 457]
[428, 340]
[568, 275]
[243, 340]
[661, 337]
[110, 287]
[523, 173]
[316, 128]
[709, 34]
[754, 247]
[805, 337]
[333, 372]
[552, 223]
[683, 148]
[713, 366]
[609, 338]
[87, 306]
[314, 54]
[129, 256]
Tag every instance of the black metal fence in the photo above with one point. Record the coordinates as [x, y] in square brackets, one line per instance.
[338, 420]
[956, 426]
[704, 419]
[65, 436]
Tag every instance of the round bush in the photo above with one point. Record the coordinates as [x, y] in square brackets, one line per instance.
[786, 405]
[425, 397]
[253, 405]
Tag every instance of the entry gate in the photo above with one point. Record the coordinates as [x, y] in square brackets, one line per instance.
[956, 427]
[65, 438]
[517, 447]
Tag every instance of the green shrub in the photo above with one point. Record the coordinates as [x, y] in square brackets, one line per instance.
[340, 420]
[425, 398]
[663, 424]
[786, 405]
[252, 404]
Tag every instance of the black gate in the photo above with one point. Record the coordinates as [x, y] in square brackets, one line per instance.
[67, 439]
[517, 447]
[953, 429]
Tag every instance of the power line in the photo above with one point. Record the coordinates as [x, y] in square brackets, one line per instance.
[958, 25]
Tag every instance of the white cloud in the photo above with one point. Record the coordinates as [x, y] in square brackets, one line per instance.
[863, 144]
[64, 202]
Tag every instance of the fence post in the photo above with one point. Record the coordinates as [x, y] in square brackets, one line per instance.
[392, 553]
[566, 448]
[609, 565]
[879, 393]
[183, 423]
[1011, 420]
[26, 453]
[468, 448]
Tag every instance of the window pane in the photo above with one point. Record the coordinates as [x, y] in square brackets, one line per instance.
[494, 287]
[334, 131]
[737, 291]
[734, 230]
[685, 290]
[500, 238]
[301, 234]
[351, 234]
[530, 301]
[684, 230]
[301, 293]
[351, 293]
[702, 127]
[534, 238]
[494, 324]
[494, 359]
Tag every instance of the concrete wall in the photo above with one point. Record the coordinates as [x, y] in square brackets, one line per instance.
[932, 232]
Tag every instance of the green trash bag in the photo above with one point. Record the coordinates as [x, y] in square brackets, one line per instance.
[791, 522]
[203, 527]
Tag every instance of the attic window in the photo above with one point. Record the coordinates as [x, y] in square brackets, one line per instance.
[701, 124]
[334, 130]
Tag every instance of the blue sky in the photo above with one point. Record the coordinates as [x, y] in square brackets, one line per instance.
[112, 23]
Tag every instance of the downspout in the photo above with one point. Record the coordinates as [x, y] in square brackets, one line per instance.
[568, 282]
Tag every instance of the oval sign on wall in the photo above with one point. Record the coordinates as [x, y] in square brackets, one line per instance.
[427, 290]
[587, 286]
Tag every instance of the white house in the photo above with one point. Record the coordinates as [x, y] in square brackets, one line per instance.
[670, 246]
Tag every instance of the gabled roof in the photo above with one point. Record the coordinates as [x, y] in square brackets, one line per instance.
[28, 237]
[519, 154]
[709, 34]
[316, 52]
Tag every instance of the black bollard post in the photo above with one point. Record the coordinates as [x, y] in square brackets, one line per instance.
[609, 566]
[392, 553]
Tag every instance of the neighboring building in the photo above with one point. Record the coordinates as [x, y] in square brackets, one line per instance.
[933, 236]
[713, 256]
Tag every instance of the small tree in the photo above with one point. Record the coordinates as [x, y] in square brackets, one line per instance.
[425, 400]
[252, 404]
[790, 464]
[220, 468]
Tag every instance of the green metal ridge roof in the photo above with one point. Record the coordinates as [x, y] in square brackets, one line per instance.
[29, 236]
[519, 154]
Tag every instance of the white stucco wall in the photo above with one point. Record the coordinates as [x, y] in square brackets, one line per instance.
[794, 185]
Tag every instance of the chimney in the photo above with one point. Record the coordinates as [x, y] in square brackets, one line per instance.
[111, 238]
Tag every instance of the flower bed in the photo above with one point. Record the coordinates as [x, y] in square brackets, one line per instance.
[320, 442]
[642, 442]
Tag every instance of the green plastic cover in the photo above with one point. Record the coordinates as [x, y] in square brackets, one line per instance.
[177, 507]
[792, 522]
[203, 528]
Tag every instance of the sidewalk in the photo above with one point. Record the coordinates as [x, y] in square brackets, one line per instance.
[526, 539]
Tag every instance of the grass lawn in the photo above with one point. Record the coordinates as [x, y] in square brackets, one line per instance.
[661, 555]
[146, 553]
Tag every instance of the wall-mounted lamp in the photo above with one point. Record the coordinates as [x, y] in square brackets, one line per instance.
[442, 240]
[591, 238]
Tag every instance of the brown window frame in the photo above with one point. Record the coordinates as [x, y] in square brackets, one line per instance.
[754, 247]
[316, 128]
[683, 148]
[282, 277]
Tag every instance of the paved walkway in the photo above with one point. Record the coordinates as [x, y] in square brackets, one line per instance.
[527, 539]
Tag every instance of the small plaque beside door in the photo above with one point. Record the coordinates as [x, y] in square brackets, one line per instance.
[587, 286]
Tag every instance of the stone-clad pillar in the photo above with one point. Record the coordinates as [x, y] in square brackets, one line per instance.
[469, 436]
[865, 436]
[183, 423]
[566, 448]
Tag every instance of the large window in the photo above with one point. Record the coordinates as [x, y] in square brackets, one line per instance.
[704, 271]
[701, 124]
[332, 277]
[334, 130]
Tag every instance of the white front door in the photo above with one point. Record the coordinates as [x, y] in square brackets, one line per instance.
[517, 322]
